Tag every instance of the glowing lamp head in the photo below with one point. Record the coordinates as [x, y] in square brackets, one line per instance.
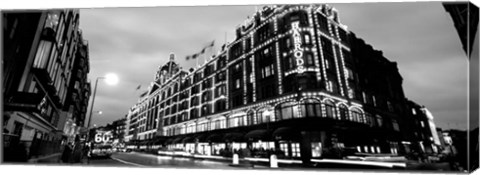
[111, 79]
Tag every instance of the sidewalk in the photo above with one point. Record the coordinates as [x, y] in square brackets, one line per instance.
[52, 158]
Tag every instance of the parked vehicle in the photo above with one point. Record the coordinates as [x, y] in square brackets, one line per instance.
[104, 151]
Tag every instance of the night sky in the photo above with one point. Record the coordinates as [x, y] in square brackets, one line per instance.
[134, 42]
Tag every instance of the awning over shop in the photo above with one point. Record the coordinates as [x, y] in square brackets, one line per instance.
[144, 142]
[169, 141]
[259, 134]
[214, 138]
[234, 137]
[160, 140]
[286, 133]
[201, 138]
[151, 142]
[177, 140]
[188, 140]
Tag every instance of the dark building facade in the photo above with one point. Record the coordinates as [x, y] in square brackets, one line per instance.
[294, 81]
[465, 17]
[119, 130]
[39, 63]
[424, 136]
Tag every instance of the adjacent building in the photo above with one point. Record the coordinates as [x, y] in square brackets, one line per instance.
[424, 135]
[118, 127]
[44, 80]
[465, 17]
[295, 80]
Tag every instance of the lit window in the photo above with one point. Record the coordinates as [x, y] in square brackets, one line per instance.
[389, 105]
[379, 120]
[364, 97]
[395, 125]
[316, 149]
[237, 83]
[284, 148]
[330, 108]
[52, 21]
[295, 150]
[307, 39]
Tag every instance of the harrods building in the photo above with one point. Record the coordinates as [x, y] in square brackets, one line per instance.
[294, 79]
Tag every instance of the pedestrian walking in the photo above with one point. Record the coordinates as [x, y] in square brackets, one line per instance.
[66, 154]
[86, 152]
[77, 151]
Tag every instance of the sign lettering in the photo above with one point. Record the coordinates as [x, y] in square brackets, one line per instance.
[298, 50]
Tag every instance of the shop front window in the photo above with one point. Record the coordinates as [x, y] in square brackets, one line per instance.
[316, 149]
[295, 149]
[284, 148]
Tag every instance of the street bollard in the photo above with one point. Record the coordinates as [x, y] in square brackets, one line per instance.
[273, 161]
[235, 159]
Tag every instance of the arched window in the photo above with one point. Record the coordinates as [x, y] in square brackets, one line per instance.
[330, 109]
[343, 112]
[286, 111]
[222, 123]
[311, 108]
[251, 119]
[266, 115]
[357, 116]
[220, 90]
[212, 125]
[236, 121]
[243, 120]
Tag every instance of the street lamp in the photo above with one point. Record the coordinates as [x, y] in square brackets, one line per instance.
[110, 79]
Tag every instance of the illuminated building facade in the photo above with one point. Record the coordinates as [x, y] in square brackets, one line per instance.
[294, 80]
[42, 60]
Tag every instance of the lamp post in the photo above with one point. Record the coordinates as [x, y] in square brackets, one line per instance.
[110, 79]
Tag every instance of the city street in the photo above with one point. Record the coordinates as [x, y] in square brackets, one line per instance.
[148, 160]
[134, 159]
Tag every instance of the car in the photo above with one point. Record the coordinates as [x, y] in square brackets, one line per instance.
[101, 151]
[121, 149]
